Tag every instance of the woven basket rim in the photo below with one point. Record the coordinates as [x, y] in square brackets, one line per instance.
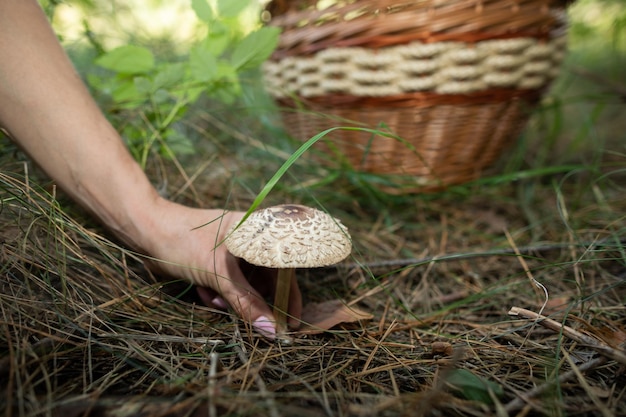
[379, 23]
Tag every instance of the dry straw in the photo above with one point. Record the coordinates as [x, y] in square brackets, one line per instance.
[452, 80]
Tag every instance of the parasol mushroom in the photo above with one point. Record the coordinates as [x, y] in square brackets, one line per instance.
[286, 237]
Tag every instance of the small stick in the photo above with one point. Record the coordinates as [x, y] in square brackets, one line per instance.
[595, 344]
[214, 358]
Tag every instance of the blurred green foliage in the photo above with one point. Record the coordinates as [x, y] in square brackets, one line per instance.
[162, 91]
[146, 93]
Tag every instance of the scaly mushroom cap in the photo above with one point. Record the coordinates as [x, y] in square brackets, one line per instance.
[290, 236]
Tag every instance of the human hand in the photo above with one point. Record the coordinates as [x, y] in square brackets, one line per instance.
[188, 244]
[86, 157]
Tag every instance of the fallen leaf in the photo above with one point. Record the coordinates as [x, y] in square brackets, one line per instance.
[612, 335]
[319, 317]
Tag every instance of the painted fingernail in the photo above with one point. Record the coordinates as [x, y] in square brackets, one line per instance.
[219, 302]
[265, 326]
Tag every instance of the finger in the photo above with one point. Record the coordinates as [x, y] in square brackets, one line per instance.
[246, 301]
[211, 299]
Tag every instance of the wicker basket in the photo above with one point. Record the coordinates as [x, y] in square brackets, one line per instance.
[454, 80]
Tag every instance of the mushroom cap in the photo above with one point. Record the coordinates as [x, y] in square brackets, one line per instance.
[290, 236]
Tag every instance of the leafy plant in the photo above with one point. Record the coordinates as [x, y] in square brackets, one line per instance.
[159, 92]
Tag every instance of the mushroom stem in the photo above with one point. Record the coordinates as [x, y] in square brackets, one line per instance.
[281, 298]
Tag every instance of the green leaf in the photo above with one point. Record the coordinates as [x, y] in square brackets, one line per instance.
[202, 64]
[193, 93]
[228, 88]
[143, 85]
[169, 75]
[218, 39]
[176, 144]
[97, 83]
[203, 10]
[226, 94]
[472, 387]
[227, 71]
[161, 96]
[231, 8]
[255, 48]
[126, 95]
[128, 59]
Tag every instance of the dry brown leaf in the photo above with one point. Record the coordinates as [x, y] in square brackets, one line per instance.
[612, 335]
[319, 317]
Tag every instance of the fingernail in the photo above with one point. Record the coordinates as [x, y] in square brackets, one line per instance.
[265, 326]
[219, 302]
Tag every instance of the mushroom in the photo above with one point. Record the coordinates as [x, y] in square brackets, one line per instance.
[286, 237]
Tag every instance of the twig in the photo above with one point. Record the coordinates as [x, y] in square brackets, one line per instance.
[212, 384]
[595, 344]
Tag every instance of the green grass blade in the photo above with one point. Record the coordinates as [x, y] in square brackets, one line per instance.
[294, 157]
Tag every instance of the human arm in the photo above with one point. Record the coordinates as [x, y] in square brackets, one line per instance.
[46, 108]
